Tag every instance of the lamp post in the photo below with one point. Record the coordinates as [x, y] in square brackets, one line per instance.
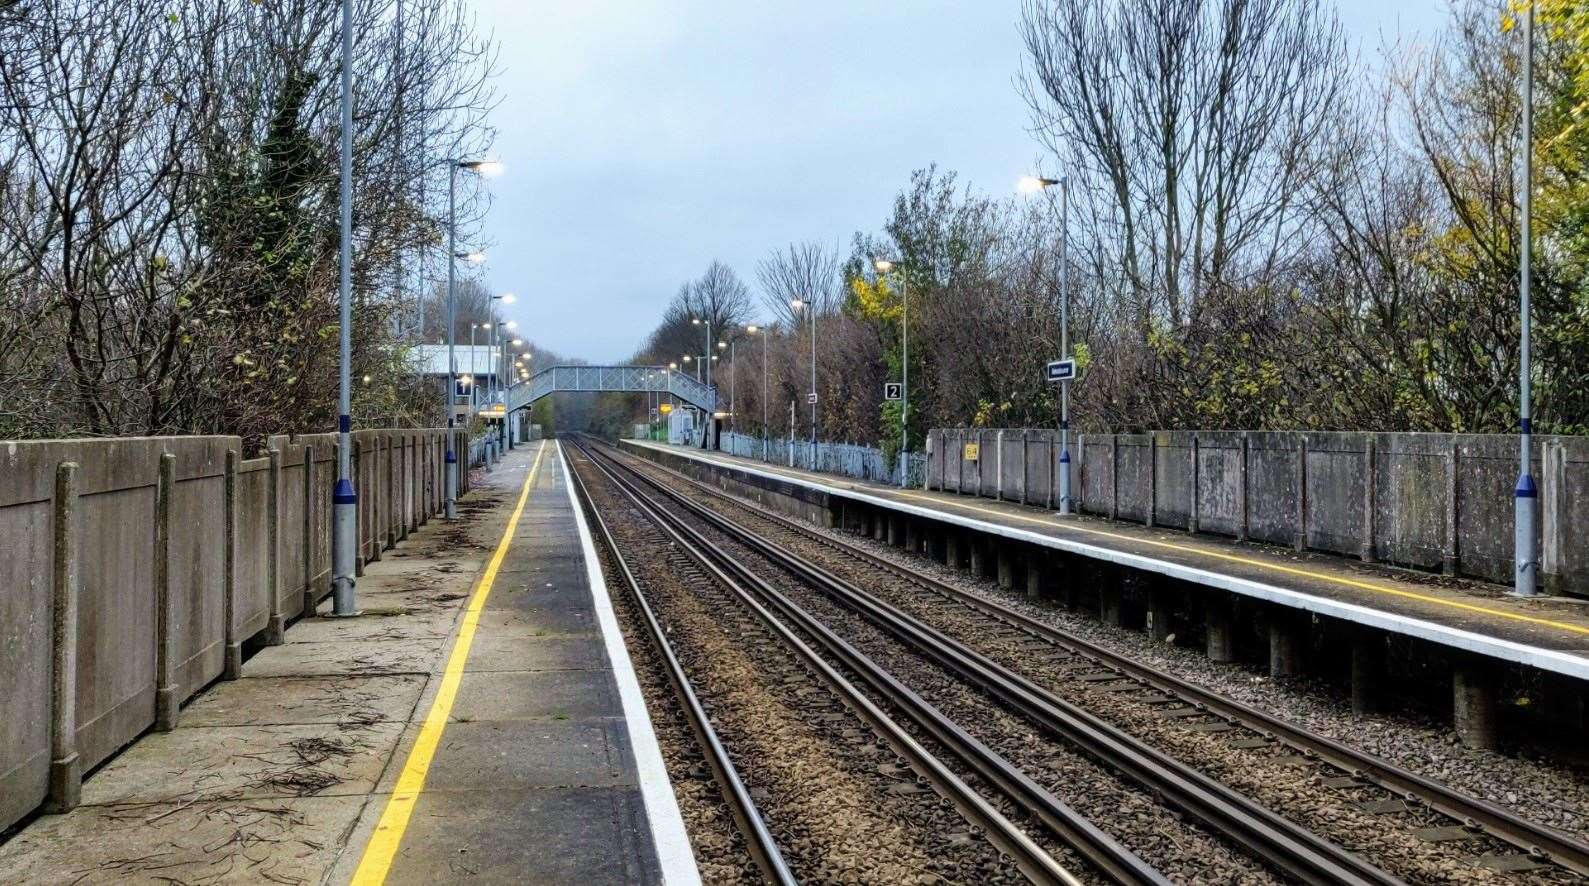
[1030, 184]
[1526, 494]
[479, 167]
[753, 330]
[344, 498]
[733, 385]
[883, 266]
[707, 342]
[809, 307]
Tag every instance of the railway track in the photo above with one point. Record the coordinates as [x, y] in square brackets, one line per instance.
[1286, 847]
[1494, 837]
[1036, 864]
[762, 847]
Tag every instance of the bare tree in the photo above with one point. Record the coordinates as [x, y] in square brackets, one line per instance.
[1189, 128]
[808, 272]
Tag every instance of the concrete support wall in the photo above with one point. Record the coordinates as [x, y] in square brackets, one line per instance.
[134, 568]
[1431, 501]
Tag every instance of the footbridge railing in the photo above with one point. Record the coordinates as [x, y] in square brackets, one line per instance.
[599, 379]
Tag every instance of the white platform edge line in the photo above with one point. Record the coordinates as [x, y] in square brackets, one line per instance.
[1556, 661]
[674, 856]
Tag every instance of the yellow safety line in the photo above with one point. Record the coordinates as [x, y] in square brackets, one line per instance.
[1260, 564]
[382, 848]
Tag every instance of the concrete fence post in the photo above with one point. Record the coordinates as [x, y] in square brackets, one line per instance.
[1451, 555]
[1191, 511]
[232, 663]
[1114, 476]
[1243, 520]
[310, 598]
[1153, 479]
[165, 698]
[1370, 504]
[66, 768]
[276, 627]
[1300, 542]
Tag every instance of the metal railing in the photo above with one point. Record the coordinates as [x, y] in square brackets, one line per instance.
[636, 379]
[846, 459]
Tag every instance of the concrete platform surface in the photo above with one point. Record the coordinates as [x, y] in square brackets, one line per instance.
[1548, 633]
[482, 662]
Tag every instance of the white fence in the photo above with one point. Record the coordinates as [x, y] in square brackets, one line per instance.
[846, 459]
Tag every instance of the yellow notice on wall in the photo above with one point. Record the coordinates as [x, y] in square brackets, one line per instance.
[973, 451]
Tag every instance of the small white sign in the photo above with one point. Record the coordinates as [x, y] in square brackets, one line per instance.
[893, 390]
[811, 397]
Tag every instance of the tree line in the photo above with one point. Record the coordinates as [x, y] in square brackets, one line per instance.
[1265, 232]
[168, 209]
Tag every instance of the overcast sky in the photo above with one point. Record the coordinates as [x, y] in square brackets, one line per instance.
[644, 138]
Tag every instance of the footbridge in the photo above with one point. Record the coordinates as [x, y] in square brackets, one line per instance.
[611, 379]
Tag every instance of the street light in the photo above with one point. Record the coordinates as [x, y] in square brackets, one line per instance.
[697, 321]
[344, 498]
[733, 384]
[753, 330]
[810, 312]
[883, 266]
[478, 167]
[1031, 184]
[1526, 494]
[473, 257]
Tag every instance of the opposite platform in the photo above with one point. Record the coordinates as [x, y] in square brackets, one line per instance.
[1551, 634]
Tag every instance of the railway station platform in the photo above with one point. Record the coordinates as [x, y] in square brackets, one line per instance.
[479, 722]
[1231, 595]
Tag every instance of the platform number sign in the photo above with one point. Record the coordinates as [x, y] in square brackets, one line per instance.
[1061, 370]
[893, 390]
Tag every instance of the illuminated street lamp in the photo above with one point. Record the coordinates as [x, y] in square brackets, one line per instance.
[883, 266]
[810, 312]
[1033, 184]
[754, 330]
[482, 168]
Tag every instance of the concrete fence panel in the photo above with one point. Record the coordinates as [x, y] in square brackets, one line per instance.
[1412, 498]
[1176, 479]
[1335, 476]
[1272, 487]
[197, 568]
[1221, 500]
[1133, 463]
[295, 501]
[251, 607]
[27, 573]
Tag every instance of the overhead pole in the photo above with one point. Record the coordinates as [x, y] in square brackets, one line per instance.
[1064, 343]
[1526, 495]
[344, 497]
[451, 458]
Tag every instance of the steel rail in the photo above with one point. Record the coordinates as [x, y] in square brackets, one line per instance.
[763, 847]
[1537, 840]
[1030, 858]
[1299, 852]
